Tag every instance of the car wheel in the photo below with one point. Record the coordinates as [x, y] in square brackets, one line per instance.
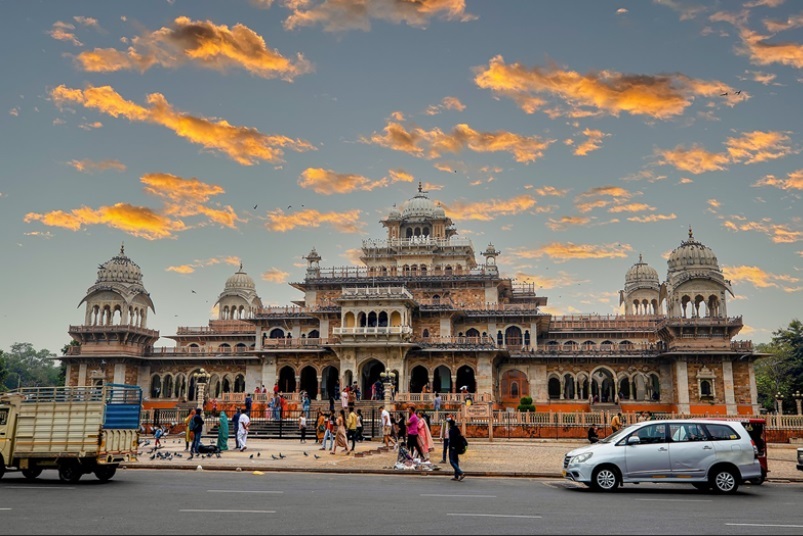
[702, 486]
[70, 471]
[605, 479]
[724, 481]
[32, 473]
[105, 472]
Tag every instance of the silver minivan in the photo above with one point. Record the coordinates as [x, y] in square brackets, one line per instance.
[705, 453]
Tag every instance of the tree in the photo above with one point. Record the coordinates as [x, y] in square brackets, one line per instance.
[28, 367]
[3, 369]
[781, 371]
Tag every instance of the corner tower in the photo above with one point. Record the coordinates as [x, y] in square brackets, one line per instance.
[641, 295]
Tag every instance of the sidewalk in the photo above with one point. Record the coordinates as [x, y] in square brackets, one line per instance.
[505, 458]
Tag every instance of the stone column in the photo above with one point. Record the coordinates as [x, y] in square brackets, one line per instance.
[562, 386]
[320, 387]
[753, 389]
[298, 384]
[730, 395]
[539, 384]
[81, 375]
[682, 375]
[119, 373]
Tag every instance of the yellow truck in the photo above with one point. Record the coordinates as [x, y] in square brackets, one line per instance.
[77, 430]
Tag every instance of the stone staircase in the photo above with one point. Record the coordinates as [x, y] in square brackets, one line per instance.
[285, 429]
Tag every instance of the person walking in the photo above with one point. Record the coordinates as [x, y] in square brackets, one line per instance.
[320, 427]
[197, 430]
[248, 402]
[360, 427]
[425, 444]
[412, 432]
[302, 427]
[235, 425]
[344, 399]
[329, 433]
[456, 445]
[437, 403]
[188, 429]
[242, 431]
[223, 431]
[341, 440]
[616, 422]
[305, 404]
[351, 428]
[444, 435]
[387, 428]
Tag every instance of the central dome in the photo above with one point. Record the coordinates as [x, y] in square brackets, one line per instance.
[120, 268]
[240, 280]
[692, 254]
[420, 206]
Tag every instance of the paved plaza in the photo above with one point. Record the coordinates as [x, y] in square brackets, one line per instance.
[501, 457]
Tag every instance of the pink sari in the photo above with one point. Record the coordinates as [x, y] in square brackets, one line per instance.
[425, 442]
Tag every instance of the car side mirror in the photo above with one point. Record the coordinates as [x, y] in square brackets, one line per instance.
[633, 440]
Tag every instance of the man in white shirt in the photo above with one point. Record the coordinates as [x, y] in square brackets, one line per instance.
[386, 428]
[242, 430]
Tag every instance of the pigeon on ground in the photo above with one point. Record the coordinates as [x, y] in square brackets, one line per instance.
[274, 457]
[258, 454]
[153, 456]
[218, 455]
[251, 457]
[282, 456]
[316, 456]
[305, 453]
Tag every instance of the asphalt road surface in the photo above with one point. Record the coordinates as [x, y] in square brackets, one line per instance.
[216, 502]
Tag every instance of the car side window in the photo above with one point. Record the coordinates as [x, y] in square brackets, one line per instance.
[721, 432]
[681, 433]
[652, 434]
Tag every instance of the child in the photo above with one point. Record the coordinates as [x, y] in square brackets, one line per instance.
[158, 434]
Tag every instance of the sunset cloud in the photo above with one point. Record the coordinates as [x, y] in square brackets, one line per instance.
[601, 197]
[346, 222]
[490, 209]
[182, 198]
[778, 233]
[762, 52]
[345, 15]
[399, 175]
[433, 143]
[562, 252]
[327, 182]
[563, 279]
[274, 275]
[593, 142]
[760, 278]
[631, 207]
[793, 181]
[662, 96]
[201, 43]
[90, 166]
[448, 103]
[203, 263]
[565, 222]
[551, 191]
[749, 148]
[244, 145]
[63, 31]
[652, 218]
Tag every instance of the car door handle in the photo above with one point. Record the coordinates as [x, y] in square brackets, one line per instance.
[661, 449]
[707, 447]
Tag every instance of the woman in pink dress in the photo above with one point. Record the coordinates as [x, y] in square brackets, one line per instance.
[425, 443]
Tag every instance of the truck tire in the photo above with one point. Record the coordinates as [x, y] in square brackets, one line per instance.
[70, 471]
[32, 473]
[2, 466]
[105, 472]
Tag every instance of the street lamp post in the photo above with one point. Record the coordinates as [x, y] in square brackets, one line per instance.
[387, 383]
[798, 398]
[201, 377]
[779, 403]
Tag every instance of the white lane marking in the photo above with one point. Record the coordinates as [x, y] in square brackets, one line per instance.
[675, 500]
[454, 495]
[5, 509]
[759, 525]
[41, 487]
[242, 491]
[495, 515]
[205, 511]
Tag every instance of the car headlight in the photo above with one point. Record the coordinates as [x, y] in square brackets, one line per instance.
[580, 458]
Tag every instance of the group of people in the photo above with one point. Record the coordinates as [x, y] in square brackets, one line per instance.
[337, 429]
[194, 427]
[616, 424]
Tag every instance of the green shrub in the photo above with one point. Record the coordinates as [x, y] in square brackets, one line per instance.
[526, 404]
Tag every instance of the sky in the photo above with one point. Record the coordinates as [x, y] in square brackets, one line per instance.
[573, 135]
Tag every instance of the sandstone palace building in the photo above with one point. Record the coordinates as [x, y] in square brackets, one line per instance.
[424, 307]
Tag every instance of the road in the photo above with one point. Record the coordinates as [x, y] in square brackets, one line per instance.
[225, 502]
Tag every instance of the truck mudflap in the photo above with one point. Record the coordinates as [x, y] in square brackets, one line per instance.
[118, 446]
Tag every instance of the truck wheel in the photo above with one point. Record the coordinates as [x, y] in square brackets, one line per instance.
[70, 471]
[32, 473]
[105, 472]
[2, 466]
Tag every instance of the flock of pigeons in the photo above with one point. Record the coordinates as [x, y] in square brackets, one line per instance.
[169, 456]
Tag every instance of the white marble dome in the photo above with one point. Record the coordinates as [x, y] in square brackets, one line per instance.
[641, 272]
[420, 206]
[240, 280]
[691, 254]
[120, 269]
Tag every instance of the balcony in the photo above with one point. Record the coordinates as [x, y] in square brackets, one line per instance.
[296, 344]
[375, 331]
[451, 343]
[381, 293]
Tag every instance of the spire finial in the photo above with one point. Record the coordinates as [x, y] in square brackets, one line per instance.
[241, 266]
[691, 235]
[420, 187]
[639, 259]
[122, 248]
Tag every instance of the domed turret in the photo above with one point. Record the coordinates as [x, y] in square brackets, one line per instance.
[120, 268]
[691, 254]
[239, 299]
[641, 295]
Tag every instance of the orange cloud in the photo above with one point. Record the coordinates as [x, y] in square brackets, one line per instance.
[546, 191]
[567, 221]
[791, 22]
[137, 221]
[603, 92]
[203, 43]
[631, 207]
[89, 166]
[760, 278]
[63, 31]
[345, 15]
[353, 256]
[244, 145]
[695, 160]
[448, 103]
[433, 143]
[593, 142]
[490, 209]
[541, 281]
[399, 175]
[794, 181]
[761, 52]
[327, 182]
[778, 233]
[182, 198]
[568, 251]
[652, 218]
[347, 222]
[274, 275]
[203, 263]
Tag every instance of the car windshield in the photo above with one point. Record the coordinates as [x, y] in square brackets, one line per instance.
[613, 438]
